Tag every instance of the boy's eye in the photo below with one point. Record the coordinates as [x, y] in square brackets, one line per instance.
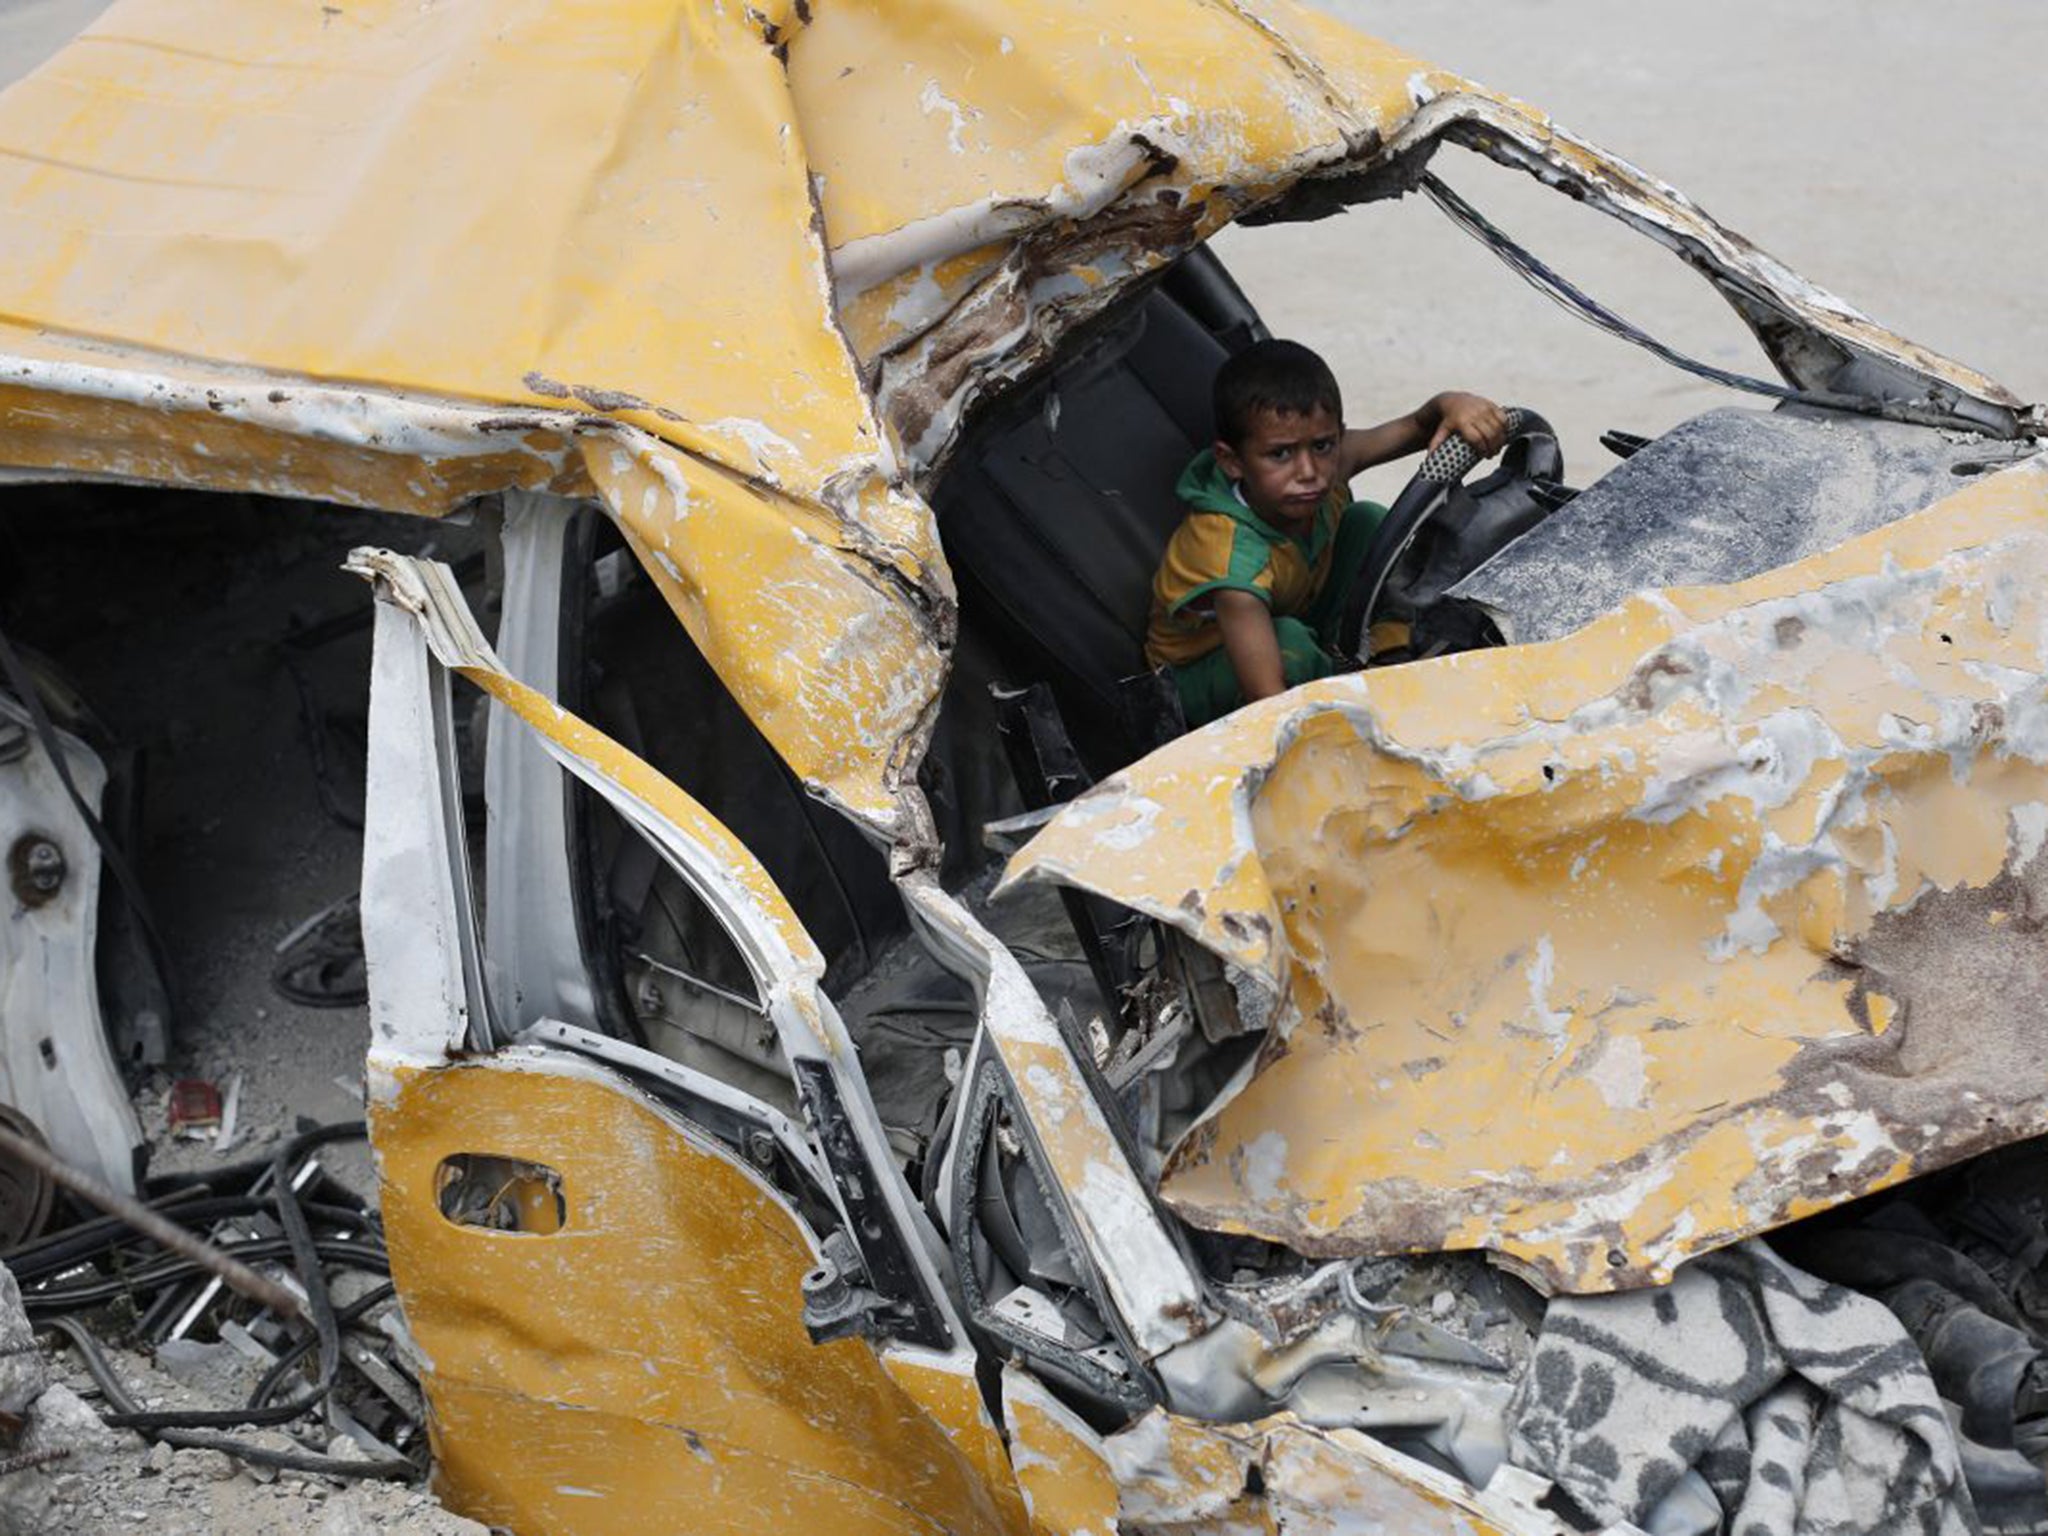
[1323, 445]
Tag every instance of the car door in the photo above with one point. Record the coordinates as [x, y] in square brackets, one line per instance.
[642, 1295]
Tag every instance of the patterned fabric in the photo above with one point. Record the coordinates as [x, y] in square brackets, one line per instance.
[1803, 1406]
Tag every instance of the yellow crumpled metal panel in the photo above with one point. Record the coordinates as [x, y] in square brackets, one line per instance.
[647, 1362]
[676, 255]
[999, 104]
[1602, 953]
[1180, 1477]
[1010, 118]
[596, 205]
[1066, 1482]
[404, 254]
[583, 239]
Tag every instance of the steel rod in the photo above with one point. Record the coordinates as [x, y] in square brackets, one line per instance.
[232, 1271]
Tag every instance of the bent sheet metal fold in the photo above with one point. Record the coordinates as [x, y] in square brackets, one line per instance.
[401, 255]
[739, 272]
[1602, 953]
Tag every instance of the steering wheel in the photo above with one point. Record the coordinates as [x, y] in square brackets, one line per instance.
[1426, 495]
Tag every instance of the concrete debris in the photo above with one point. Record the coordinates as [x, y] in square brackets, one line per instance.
[99, 1480]
[24, 1373]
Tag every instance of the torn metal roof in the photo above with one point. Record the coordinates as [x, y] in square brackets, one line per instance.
[738, 272]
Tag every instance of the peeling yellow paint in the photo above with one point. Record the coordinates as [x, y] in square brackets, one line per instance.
[425, 589]
[606, 277]
[1175, 1474]
[735, 270]
[651, 1355]
[1608, 951]
[1068, 1487]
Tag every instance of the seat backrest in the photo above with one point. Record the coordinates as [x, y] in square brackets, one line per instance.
[1056, 512]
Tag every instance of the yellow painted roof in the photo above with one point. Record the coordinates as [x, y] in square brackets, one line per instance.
[735, 270]
[400, 254]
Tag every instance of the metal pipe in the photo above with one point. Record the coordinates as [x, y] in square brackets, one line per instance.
[233, 1272]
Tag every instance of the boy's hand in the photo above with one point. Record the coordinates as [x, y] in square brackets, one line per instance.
[1474, 418]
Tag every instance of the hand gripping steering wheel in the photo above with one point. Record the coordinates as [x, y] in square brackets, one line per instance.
[1425, 495]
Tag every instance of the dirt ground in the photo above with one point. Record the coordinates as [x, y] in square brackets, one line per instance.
[1887, 149]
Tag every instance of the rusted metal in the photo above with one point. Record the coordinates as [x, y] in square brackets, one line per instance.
[26, 1459]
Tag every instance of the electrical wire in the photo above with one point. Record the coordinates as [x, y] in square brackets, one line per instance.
[102, 1372]
[299, 1348]
[83, 1244]
[169, 1271]
[199, 1429]
[1561, 291]
[304, 1251]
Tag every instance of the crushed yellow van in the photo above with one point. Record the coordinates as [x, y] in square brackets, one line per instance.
[750, 1157]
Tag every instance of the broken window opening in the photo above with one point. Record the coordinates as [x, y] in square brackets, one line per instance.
[1396, 327]
[692, 997]
[206, 662]
[685, 991]
[501, 1194]
[630, 669]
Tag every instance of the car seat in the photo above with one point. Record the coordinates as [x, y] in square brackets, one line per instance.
[1061, 500]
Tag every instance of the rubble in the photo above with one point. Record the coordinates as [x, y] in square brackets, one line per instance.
[300, 1391]
[104, 1480]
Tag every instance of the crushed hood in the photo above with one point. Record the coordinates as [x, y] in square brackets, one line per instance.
[737, 272]
[1608, 951]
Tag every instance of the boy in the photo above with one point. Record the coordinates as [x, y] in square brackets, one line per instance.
[1253, 581]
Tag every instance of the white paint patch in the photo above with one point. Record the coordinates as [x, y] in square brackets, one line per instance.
[920, 302]
[1049, 1096]
[1134, 828]
[1542, 972]
[932, 100]
[2029, 831]
[1265, 1166]
[769, 447]
[1622, 1073]
[1767, 765]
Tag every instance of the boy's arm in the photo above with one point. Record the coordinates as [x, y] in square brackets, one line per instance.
[1251, 643]
[1473, 417]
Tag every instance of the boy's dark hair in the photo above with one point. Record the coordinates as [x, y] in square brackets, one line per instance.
[1281, 376]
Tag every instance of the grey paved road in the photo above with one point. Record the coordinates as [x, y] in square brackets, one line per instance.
[1889, 150]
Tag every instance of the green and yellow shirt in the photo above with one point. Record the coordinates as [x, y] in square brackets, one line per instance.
[1222, 543]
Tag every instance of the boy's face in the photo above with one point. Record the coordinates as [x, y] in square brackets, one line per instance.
[1285, 463]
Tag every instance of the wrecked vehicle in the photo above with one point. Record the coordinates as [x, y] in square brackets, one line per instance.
[1365, 1108]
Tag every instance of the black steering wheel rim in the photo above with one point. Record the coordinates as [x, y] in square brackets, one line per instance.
[1427, 493]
